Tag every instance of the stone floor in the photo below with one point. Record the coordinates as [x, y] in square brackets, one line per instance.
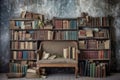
[113, 76]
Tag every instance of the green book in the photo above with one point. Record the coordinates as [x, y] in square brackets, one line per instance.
[93, 68]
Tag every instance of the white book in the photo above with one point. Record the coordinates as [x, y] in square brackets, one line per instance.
[65, 51]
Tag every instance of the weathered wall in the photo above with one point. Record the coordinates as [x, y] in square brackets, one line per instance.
[58, 8]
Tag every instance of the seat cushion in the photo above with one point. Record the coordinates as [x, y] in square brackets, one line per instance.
[57, 60]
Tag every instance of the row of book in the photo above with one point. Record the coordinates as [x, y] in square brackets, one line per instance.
[55, 35]
[103, 33]
[23, 55]
[69, 52]
[65, 24]
[43, 35]
[94, 21]
[22, 35]
[66, 35]
[23, 45]
[17, 68]
[93, 69]
[101, 54]
[25, 24]
[94, 44]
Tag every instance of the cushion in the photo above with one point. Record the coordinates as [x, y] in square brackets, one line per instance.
[57, 60]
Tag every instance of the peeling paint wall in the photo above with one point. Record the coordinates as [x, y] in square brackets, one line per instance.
[57, 8]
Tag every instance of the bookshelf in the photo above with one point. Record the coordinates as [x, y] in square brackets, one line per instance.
[94, 40]
[23, 44]
[92, 34]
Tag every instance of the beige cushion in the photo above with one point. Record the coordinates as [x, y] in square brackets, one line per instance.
[57, 60]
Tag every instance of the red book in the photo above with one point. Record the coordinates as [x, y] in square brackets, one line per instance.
[19, 54]
[58, 24]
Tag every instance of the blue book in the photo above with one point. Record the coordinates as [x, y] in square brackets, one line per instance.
[88, 69]
[86, 63]
[25, 54]
[18, 23]
[73, 24]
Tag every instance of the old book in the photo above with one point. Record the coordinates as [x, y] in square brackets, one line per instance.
[82, 44]
[22, 45]
[107, 44]
[19, 54]
[23, 13]
[65, 24]
[73, 52]
[58, 24]
[45, 55]
[31, 71]
[32, 55]
[28, 15]
[65, 53]
[73, 24]
[14, 54]
[25, 55]
[30, 45]
[89, 33]
[22, 25]
[52, 57]
[82, 33]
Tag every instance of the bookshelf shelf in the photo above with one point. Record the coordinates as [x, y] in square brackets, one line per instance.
[94, 27]
[64, 29]
[92, 49]
[24, 40]
[95, 38]
[22, 19]
[24, 59]
[23, 49]
[31, 29]
[96, 59]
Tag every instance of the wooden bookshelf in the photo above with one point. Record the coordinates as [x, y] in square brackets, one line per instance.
[94, 39]
[23, 44]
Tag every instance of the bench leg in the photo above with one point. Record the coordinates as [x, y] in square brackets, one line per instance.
[76, 71]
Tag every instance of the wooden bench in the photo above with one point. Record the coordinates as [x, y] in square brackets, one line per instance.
[56, 48]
